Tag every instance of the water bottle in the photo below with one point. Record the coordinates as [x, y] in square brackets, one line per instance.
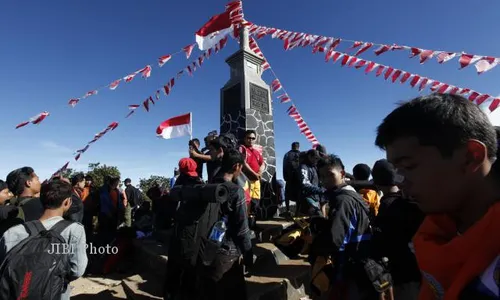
[219, 231]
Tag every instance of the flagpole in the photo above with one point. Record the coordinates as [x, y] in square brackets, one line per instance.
[191, 121]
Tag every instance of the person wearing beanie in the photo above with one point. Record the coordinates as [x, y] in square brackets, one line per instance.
[362, 172]
[321, 150]
[394, 227]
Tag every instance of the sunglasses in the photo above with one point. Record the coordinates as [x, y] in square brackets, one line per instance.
[250, 138]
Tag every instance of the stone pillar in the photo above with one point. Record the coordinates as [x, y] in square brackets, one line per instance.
[246, 102]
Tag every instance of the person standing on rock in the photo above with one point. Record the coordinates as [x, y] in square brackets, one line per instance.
[291, 174]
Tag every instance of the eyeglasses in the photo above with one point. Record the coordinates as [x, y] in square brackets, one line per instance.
[250, 138]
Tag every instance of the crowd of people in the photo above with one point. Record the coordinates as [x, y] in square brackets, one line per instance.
[420, 224]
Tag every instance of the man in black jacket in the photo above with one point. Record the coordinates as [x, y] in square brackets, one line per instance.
[291, 174]
[25, 184]
[348, 235]
[75, 212]
[393, 229]
[311, 193]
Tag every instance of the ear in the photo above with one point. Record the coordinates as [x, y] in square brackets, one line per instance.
[475, 156]
[342, 173]
[67, 202]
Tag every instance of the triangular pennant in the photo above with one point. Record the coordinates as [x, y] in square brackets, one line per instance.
[188, 50]
[114, 84]
[164, 59]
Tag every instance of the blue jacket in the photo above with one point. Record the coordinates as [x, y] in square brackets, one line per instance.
[107, 206]
[310, 186]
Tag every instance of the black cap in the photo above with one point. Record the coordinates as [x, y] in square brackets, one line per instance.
[127, 181]
[384, 173]
[361, 172]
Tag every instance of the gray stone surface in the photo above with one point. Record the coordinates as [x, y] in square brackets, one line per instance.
[246, 103]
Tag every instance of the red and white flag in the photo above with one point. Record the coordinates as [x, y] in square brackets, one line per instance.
[34, 120]
[175, 127]
[164, 59]
[113, 85]
[73, 102]
[188, 50]
[146, 72]
[214, 30]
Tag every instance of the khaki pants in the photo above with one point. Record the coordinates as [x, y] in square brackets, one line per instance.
[127, 216]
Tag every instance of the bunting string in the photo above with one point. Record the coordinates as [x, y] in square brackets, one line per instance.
[196, 64]
[145, 73]
[276, 86]
[413, 79]
[483, 63]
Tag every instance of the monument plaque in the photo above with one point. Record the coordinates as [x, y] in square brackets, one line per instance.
[259, 98]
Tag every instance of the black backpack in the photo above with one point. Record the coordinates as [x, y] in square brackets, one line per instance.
[194, 221]
[29, 271]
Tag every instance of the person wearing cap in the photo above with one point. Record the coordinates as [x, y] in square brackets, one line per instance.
[188, 172]
[394, 227]
[362, 173]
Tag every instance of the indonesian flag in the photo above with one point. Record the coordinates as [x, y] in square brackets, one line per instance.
[175, 127]
[213, 31]
[164, 59]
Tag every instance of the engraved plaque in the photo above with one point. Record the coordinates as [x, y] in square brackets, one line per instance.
[259, 99]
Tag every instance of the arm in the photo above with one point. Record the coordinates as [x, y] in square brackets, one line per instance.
[340, 225]
[307, 188]
[286, 168]
[246, 168]
[204, 157]
[262, 166]
[240, 223]
[124, 198]
[78, 259]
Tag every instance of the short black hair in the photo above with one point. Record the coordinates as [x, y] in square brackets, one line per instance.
[195, 141]
[443, 121]
[79, 177]
[331, 161]
[225, 141]
[54, 193]
[321, 150]
[312, 152]
[361, 172]
[295, 145]
[231, 158]
[113, 180]
[89, 178]
[3, 185]
[127, 181]
[250, 131]
[16, 180]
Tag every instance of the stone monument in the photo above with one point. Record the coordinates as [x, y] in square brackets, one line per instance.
[246, 102]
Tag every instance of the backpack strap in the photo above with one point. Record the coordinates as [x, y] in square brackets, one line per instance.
[24, 201]
[34, 227]
[60, 226]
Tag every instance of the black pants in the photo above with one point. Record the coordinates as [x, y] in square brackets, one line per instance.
[292, 193]
[231, 286]
[87, 221]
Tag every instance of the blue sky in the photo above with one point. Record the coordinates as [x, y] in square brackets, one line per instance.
[54, 50]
